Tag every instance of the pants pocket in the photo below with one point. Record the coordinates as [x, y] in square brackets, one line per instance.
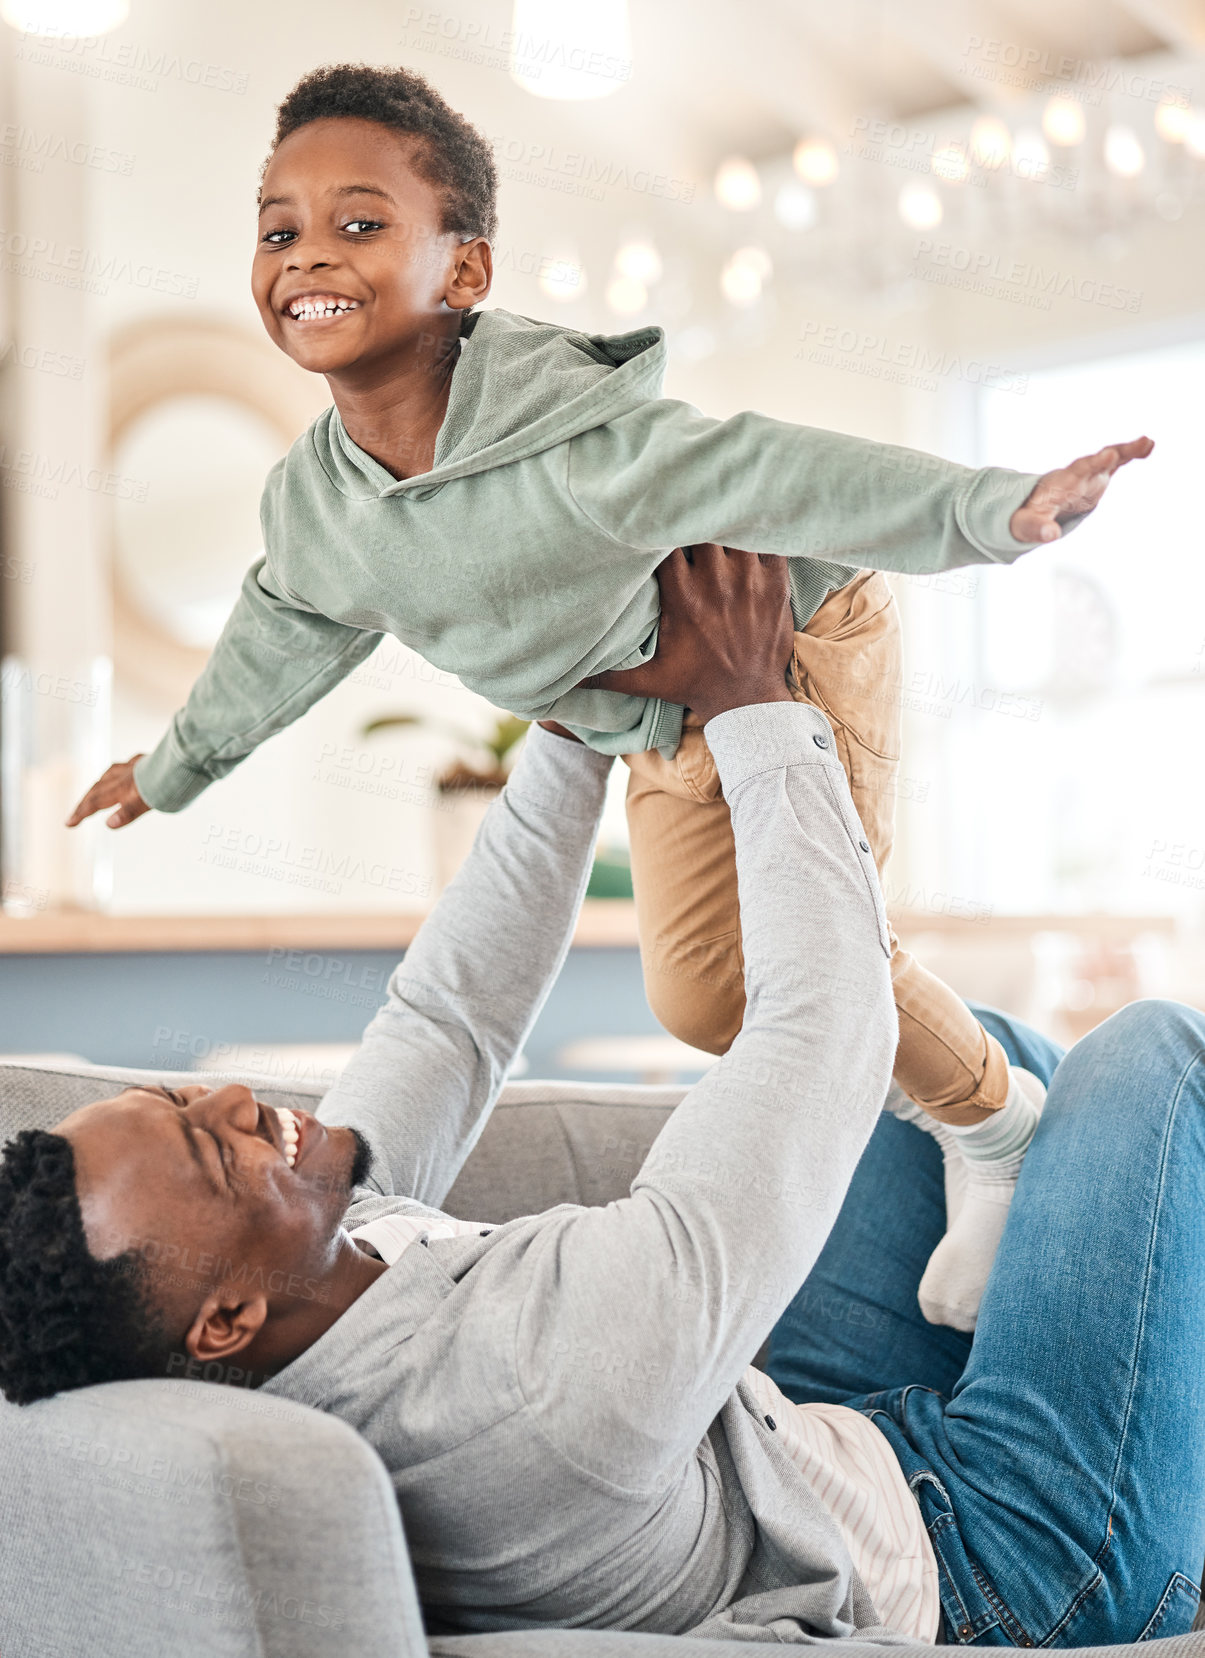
[971, 1610]
[1177, 1609]
[850, 663]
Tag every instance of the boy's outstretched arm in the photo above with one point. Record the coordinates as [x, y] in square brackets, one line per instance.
[274, 660]
[665, 475]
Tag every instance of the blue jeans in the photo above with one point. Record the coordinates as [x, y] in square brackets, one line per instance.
[1059, 1458]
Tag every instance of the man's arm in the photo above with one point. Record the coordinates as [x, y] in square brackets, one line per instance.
[461, 1003]
[640, 1317]
[666, 475]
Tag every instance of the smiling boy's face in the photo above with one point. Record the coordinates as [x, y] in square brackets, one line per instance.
[345, 217]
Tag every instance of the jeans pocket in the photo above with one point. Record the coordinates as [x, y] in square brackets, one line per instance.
[1176, 1611]
[966, 1611]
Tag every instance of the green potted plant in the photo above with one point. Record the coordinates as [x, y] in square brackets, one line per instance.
[467, 785]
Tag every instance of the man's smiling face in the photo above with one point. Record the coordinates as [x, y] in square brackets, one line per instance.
[345, 217]
[238, 1228]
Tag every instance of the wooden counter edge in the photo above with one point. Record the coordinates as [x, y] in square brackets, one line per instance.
[605, 923]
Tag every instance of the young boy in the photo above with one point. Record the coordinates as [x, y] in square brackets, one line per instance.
[497, 493]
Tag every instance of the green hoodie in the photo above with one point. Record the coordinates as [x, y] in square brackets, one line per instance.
[523, 560]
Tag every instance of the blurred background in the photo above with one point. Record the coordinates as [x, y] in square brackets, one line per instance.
[975, 227]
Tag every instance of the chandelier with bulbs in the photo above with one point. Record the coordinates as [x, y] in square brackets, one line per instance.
[864, 210]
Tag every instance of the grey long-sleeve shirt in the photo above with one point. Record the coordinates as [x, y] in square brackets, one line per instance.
[559, 1403]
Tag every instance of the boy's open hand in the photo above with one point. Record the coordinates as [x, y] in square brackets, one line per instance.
[115, 788]
[726, 634]
[1072, 490]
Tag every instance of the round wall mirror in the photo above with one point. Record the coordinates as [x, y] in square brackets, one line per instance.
[180, 553]
[199, 412]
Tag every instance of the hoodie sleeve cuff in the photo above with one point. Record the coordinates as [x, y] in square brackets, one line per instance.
[984, 512]
[165, 781]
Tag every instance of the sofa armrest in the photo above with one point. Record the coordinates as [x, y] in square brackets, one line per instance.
[161, 1516]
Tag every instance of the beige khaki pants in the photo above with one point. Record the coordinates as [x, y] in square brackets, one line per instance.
[848, 664]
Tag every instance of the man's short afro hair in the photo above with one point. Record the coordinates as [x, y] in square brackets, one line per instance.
[451, 154]
[66, 1319]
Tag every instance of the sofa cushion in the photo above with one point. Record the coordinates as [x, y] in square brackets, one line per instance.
[559, 1142]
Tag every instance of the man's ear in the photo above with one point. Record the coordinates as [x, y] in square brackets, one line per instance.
[472, 274]
[225, 1325]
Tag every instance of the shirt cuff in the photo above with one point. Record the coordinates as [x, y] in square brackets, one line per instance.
[560, 776]
[984, 512]
[768, 736]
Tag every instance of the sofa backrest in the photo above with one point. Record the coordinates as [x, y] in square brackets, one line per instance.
[546, 1143]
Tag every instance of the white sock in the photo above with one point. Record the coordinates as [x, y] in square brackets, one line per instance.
[992, 1153]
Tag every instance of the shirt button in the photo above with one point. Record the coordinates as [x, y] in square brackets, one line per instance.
[770, 1422]
[865, 845]
[820, 741]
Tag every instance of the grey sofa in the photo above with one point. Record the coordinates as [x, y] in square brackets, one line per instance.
[146, 1518]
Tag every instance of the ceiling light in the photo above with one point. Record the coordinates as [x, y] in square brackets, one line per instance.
[570, 48]
[755, 259]
[920, 206]
[950, 163]
[1124, 155]
[737, 185]
[795, 206]
[640, 261]
[816, 161]
[80, 18]
[626, 295]
[562, 277]
[1194, 134]
[990, 141]
[740, 284]
[1031, 158]
[1063, 121]
[1172, 119]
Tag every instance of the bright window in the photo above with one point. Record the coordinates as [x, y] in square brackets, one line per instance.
[1054, 709]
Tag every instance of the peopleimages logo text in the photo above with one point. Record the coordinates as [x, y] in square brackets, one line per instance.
[981, 265]
[15, 244]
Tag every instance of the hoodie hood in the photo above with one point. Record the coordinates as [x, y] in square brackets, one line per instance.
[520, 386]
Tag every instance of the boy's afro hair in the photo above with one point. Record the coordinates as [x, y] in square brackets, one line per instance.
[66, 1319]
[451, 155]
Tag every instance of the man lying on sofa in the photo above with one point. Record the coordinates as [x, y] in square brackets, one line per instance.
[565, 1402]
